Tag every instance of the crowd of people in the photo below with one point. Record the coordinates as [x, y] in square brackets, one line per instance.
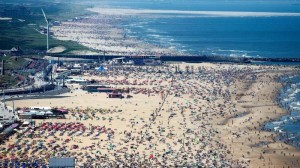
[107, 37]
[178, 130]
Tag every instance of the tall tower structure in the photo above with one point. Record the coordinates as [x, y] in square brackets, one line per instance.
[47, 29]
[2, 67]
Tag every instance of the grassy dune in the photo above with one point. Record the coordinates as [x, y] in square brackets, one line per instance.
[24, 33]
[11, 63]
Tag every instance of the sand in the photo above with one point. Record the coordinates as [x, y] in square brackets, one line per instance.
[192, 122]
[58, 49]
[257, 100]
[108, 37]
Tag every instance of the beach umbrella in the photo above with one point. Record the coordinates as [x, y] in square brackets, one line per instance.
[151, 156]
[12, 157]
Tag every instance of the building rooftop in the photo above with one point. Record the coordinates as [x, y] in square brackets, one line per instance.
[61, 162]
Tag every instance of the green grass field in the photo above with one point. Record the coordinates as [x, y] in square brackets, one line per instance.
[14, 63]
[11, 63]
[6, 81]
[25, 35]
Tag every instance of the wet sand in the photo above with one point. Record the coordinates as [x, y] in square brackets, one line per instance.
[245, 135]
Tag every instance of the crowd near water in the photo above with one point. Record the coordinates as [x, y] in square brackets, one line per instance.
[178, 130]
[107, 37]
[288, 126]
[197, 27]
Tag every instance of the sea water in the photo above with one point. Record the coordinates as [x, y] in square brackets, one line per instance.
[233, 36]
[288, 126]
[259, 36]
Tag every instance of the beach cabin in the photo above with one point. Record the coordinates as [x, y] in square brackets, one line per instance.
[152, 62]
[115, 95]
[61, 75]
[76, 81]
[98, 88]
[106, 90]
[33, 114]
[25, 116]
[77, 66]
[75, 71]
[60, 111]
[25, 123]
[117, 61]
[40, 108]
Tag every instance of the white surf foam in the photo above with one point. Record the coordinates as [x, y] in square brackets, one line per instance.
[5, 18]
[120, 11]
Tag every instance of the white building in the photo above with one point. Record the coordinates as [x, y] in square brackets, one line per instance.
[7, 115]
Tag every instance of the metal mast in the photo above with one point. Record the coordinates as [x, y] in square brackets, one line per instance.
[47, 29]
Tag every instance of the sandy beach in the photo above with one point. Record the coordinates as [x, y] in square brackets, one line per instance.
[108, 37]
[244, 134]
[211, 116]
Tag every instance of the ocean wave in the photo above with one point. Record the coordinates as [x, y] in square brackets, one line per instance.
[277, 129]
[154, 35]
[120, 11]
[237, 51]
[286, 99]
[5, 18]
[295, 108]
[151, 30]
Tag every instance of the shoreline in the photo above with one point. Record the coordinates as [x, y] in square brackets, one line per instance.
[107, 38]
[111, 37]
[260, 146]
[286, 136]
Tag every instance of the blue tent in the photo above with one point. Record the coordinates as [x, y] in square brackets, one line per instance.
[101, 69]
